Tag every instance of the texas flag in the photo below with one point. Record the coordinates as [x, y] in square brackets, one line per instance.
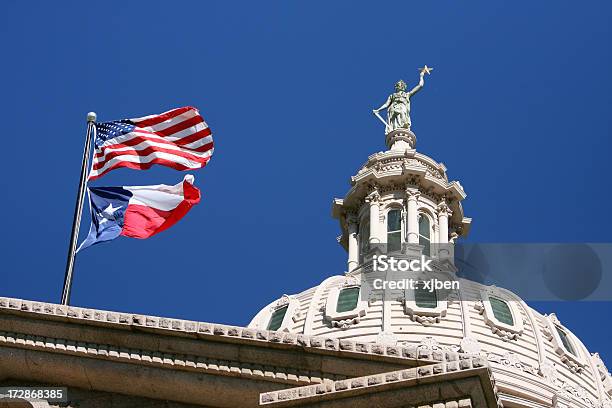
[137, 211]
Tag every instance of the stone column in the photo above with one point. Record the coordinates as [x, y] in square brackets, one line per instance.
[353, 248]
[412, 198]
[374, 200]
[443, 213]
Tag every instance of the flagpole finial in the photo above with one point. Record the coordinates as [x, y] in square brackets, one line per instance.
[91, 117]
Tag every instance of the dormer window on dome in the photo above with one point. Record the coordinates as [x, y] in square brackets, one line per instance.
[565, 344]
[501, 315]
[564, 337]
[344, 306]
[276, 320]
[423, 305]
[347, 299]
[501, 310]
[425, 298]
[279, 315]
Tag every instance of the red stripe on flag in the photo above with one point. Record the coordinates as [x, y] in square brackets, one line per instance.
[193, 137]
[155, 120]
[145, 152]
[135, 140]
[169, 131]
[143, 222]
[146, 166]
[204, 148]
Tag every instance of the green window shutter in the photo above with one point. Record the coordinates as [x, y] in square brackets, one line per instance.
[501, 311]
[364, 238]
[277, 318]
[426, 246]
[394, 241]
[565, 340]
[394, 230]
[424, 298]
[424, 226]
[347, 299]
[394, 221]
[424, 234]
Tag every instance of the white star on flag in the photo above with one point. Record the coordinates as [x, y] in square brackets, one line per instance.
[108, 213]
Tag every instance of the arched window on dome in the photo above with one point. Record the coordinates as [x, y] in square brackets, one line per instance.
[276, 320]
[364, 239]
[500, 313]
[425, 298]
[424, 305]
[344, 306]
[567, 343]
[425, 234]
[347, 299]
[394, 230]
[501, 310]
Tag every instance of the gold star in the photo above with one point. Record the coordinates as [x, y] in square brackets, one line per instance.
[426, 70]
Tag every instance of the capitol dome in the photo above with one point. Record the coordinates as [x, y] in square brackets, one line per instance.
[403, 201]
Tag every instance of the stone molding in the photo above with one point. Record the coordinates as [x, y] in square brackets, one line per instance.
[167, 360]
[181, 328]
[411, 375]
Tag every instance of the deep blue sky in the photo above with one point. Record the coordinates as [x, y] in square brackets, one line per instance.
[518, 108]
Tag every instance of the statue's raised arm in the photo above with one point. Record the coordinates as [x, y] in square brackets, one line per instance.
[425, 70]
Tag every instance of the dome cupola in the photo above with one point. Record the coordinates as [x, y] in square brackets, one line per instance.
[402, 199]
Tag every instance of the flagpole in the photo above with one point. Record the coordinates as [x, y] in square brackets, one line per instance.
[78, 210]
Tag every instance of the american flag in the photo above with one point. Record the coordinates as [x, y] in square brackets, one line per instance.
[178, 138]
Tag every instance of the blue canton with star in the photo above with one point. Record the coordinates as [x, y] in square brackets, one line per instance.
[108, 206]
[109, 130]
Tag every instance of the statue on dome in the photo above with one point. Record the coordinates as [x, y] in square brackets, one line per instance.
[398, 104]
